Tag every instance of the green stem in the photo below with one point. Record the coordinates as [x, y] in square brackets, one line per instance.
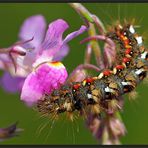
[82, 11]
[95, 46]
[90, 19]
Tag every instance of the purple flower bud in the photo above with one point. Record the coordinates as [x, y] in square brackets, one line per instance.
[9, 132]
[117, 127]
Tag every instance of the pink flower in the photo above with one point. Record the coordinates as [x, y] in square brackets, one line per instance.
[44, 48]
[43, 80]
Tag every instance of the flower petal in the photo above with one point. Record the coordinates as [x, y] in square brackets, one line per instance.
[64, 49]
[35, 27]
[7, 64]
[11, 84]
[75, 34]
[4, 61]
[44, 79]
[62, 53]
[53, 38]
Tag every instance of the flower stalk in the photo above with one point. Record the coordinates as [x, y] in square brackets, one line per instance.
[95, 46]
[82, 11]
[91, 20]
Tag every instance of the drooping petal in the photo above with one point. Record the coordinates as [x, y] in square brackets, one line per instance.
[11, 84]
[45, 78]
[33, 26]
[78, 76]
[117, 127]
[74, 34]
[53, 38]
[109, 55]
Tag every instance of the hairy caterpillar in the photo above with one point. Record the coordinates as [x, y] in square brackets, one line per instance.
[97, 92]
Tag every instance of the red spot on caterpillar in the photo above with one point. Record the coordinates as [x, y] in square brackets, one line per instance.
[128, 51]
[89, 80]
[107, 73]
[76, 86]
[125, 60]
[120, 67]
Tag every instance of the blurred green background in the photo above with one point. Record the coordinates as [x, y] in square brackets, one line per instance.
[64, 132]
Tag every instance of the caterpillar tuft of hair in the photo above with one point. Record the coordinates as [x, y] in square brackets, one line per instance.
[96, 93]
